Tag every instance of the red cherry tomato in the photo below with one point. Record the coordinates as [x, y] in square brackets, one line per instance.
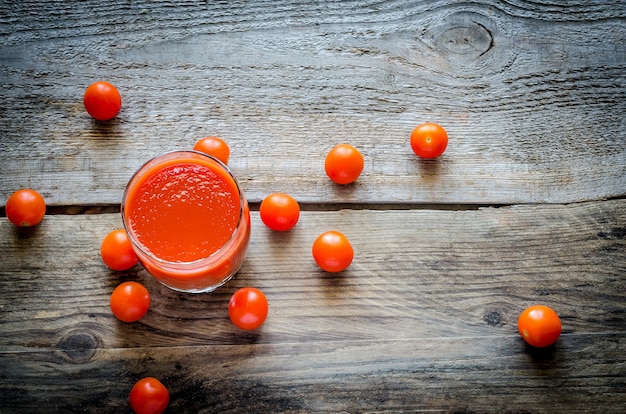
[343, 164]
[25, 208]
[130, 301]
[539, 325]
[214, 146]
[116, 251]
[429, 140]
[332, 251]
[248, 308]
[149, 396]
[102, 101]
[279, 212]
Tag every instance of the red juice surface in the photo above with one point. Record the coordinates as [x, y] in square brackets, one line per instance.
[183, 210]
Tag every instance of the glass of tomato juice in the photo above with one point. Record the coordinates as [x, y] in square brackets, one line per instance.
[188, 220]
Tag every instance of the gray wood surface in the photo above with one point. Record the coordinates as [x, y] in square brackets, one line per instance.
[421, 320]
[526, 205]
[532, 95]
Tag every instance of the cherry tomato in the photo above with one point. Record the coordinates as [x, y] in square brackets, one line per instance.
[332, 251]
[429, 140]
[149, 396]
[102, 101]
[214, 146]
[25, 208]
[279, 212]
[130, 301]
[117, 252]
[539, 325]
[248, 308]
[343, 164]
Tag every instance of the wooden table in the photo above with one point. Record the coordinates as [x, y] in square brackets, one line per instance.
[526, 205]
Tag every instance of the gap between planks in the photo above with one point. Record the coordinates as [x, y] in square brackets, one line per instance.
[77, 209]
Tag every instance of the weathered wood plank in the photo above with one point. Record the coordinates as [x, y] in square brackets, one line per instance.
[585, 373]
[533, 96]
[424, 319]
[418, 273]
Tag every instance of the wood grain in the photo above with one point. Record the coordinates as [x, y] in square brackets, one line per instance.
[532, 95]
[424, 319]
[458, 375]
[526, 206]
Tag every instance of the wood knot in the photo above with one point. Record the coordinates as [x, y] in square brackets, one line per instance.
[467, 43]
[79, 346]
[616, 233]
[464, 36]
[473, 40]
[493, 318]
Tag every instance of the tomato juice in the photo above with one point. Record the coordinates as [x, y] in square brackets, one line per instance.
[188, 220]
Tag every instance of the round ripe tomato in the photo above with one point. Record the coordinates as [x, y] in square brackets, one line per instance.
[117, 252]
[130, 301]
[332, 251]
[279, 212]
[214, 146]
[343, 164]
[539, 325]
[429, 140]
[25, 208]
[149, 396]
[247, 308]
[102, 101]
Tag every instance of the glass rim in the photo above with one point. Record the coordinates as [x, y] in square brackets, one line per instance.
[223, 249]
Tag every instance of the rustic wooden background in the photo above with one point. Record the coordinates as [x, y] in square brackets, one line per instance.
[526, 206]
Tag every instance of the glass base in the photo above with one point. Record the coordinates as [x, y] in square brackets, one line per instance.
[202, 290]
